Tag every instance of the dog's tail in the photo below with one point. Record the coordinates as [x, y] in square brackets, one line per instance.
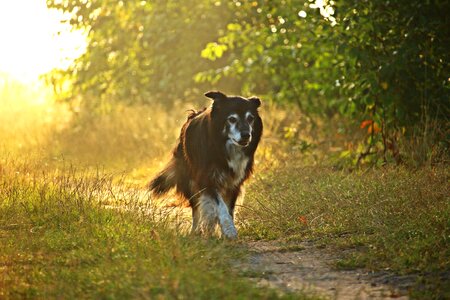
[165, 180]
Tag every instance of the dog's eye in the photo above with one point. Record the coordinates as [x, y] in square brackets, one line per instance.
[250, 118]
[232, 120]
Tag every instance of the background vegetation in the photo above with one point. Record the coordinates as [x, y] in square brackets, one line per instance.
[383, 65]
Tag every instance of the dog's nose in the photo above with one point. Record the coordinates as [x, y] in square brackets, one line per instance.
[245, 136]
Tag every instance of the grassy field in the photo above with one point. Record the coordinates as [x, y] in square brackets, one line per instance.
[59, 241]
[75, 224]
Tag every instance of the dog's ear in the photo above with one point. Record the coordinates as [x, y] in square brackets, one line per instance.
[216, 95]
[255, 101]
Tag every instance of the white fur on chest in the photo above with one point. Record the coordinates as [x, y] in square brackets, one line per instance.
[237, 161]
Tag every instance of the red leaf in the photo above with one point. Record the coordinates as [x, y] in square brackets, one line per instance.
[365, 123]
[302, 219]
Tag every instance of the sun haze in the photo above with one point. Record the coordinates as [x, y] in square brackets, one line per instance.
[29, 39]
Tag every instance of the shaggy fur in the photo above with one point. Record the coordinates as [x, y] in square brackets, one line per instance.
[212, 160]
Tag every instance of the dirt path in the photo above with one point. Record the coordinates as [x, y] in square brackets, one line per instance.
[304, 267]
[299, 267]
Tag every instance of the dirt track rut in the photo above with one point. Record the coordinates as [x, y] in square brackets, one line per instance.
[306, 268]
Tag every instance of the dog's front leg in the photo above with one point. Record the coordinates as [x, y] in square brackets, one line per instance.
[210, 210]
[225, 219]
[205, 214]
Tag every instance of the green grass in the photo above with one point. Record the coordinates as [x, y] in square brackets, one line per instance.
[59, 241]
[392, 218]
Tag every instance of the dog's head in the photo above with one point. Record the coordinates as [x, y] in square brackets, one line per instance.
[236, 117]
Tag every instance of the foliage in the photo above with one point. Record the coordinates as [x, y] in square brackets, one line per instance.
[370, 57]
[138, 51]
[385, 62]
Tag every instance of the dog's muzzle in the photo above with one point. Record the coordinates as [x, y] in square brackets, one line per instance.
[245, 139]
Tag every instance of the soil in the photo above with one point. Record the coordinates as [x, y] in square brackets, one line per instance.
[303, 267]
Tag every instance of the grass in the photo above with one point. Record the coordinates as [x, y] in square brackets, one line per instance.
[59, 241]
[392, 219]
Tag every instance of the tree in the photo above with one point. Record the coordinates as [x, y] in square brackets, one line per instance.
[349, 56]
[138, 51]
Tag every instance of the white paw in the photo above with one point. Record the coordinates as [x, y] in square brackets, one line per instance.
[228, 230]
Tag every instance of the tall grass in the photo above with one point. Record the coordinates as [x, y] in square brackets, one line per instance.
[28, 118]
[59, 240]
[427, 144]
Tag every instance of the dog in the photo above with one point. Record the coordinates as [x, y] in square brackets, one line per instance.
[213, 158]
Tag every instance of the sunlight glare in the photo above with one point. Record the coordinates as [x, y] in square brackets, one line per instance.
[30, 43]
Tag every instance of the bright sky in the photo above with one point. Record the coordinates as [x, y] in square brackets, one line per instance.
[29, 43]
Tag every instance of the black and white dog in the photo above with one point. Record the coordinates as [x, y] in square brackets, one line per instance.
[213, 158]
